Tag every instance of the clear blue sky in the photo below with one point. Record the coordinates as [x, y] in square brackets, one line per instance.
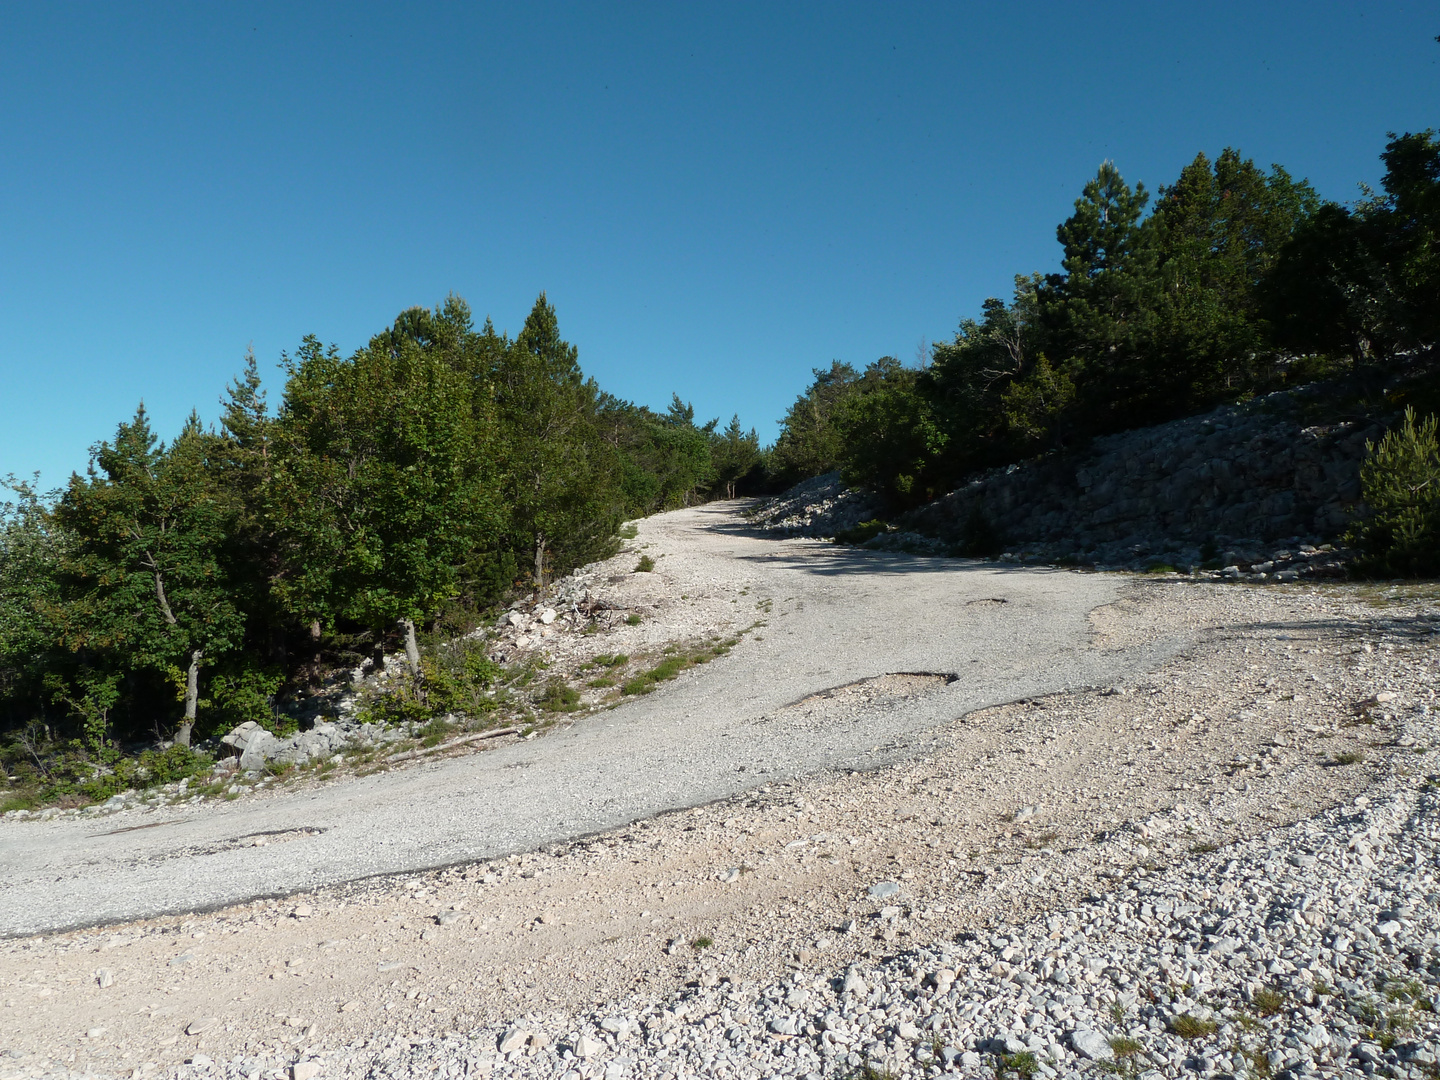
[717, 198]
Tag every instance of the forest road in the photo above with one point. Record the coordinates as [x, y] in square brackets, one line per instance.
[834, 615]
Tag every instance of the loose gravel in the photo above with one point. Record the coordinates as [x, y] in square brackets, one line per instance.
[1225, 866]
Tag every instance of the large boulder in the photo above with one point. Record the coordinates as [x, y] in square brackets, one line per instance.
[252, 744]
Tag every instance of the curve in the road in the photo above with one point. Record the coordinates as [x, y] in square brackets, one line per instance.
[718, 730]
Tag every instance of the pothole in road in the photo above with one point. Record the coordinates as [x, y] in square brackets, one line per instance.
[274, 836]
[862, 695]
[252, 840]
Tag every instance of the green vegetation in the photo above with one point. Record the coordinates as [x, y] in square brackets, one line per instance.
[1268, 1002]
[1400, 480]
[1191, 1027]
[1023, 1065]
[1235, 281]
[645, 565]
[866, 530]
[71, 777]
[387, 501]
[677, 661]
[558, 696]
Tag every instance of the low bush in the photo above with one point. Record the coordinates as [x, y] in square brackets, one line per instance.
[1400, 482]
[866, 530]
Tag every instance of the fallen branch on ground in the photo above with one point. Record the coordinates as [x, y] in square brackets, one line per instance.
[454, 742]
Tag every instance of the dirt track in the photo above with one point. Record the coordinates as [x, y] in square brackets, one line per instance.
[1232, 702]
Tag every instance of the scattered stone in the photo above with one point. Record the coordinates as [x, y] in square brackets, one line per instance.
[513, 1040]
[199, 1027]
[883, 890]
[104, 978]
[305, 1070]
[587, 1048]
[1091, 1044]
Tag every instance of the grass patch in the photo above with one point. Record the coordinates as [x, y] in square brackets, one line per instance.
[702, 942]
[678, 660]
[1160, 568]
[435, 732]
[1348, 757]
[1268, 1002]
[633, 619]
[558, 696]
[1024, 1065]
[1191, 1027]
[602, 683]
[1203, 848]
[1124, 1048]
[645, 565]
[629, 531]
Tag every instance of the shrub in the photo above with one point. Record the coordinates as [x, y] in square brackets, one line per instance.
[558, 696]
[645, 565]
[1191, 1027]
[866, 530]
[1400, 481]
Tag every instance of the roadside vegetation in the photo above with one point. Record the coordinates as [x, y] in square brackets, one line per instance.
[1234, 281]
[389, 500]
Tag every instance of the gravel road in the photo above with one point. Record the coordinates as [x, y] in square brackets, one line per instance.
[831, 616]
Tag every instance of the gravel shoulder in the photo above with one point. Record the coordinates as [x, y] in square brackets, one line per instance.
[1110, 734]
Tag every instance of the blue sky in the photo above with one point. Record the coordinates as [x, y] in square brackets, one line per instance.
[717, 198]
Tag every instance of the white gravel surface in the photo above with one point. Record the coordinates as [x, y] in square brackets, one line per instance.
[1220, 862]
[832, 616]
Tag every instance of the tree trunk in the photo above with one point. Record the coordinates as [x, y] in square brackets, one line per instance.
[412, 650]
[539, 563]
[192, 695]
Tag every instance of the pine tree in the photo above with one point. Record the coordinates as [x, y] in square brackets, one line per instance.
[145, 582]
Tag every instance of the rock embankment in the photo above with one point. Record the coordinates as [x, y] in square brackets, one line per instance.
[1253, 489]
[1242, 476]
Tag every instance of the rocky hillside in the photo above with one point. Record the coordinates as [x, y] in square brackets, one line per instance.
[1253, 490]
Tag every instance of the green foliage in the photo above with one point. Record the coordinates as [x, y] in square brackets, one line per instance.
[460, 678]
[220, 577]
[68, 773]
[645, 565]
[677, 660]
[866, 530]
[1239, 282]
[558, 696]
[735, 458]
[1365, 282]
[1400, 482]
[1034, 404]
[888, 433]
[1268, 1002]
[810, 443]
[1191, 1027]
[1023, 1065]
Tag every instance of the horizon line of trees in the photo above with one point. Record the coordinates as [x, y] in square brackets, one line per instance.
[1237, 282]
[196, 583]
